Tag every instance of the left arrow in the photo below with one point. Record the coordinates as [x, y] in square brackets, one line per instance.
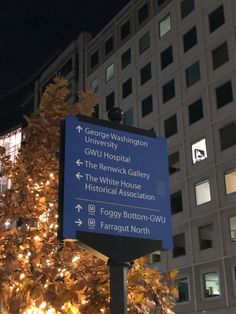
[79, 162]
[79, 176]
[79, 128]
[79, 222]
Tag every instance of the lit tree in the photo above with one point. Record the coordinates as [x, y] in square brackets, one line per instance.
[39, 274]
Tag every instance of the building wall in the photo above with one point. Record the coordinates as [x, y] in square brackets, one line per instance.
[215, 256]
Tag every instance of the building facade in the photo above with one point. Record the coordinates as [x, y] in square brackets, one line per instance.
[170, 66]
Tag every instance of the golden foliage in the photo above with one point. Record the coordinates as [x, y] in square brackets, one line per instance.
[37, 271]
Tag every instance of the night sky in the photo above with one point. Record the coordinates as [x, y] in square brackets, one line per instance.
[31, 31]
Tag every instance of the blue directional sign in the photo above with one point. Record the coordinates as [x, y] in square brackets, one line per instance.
[115, 182]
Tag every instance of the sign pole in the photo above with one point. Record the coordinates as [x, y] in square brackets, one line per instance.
[118, 286]
[118, 270]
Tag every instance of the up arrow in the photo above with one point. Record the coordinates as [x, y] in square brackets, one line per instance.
[79, 162]
[79, 222]
[79, 128]
[79, 176]
[79, 207]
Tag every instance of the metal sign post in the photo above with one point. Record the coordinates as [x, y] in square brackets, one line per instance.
[114, 195]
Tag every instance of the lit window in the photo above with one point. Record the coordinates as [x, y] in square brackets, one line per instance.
[199, 151]
[187, 6]
[110, 72]
[216, 18]
[164, 26]
[232, 224]
[11, 142]
[144, 43]
[179, 245]
[206, 236]
[94, 85]
[128, 117]
[220, 55]
[224, 94]
[230, 181]
[174, 163]
[211, 284]
[176, 202]
[228, 136]
[195, 111]
[203, 192]
[192, 74]
[183, 288]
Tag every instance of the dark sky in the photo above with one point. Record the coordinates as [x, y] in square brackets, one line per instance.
[31, 31]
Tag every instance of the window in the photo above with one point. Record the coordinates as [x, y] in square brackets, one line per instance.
[199, 151]
[190, 39]
[164, 26]
[110, 72]
[128, 117]
[166, 57]
[94, 59]
[110, 101]
[202, 192]
[11, 142]
[195, 111]
[145, 73]
[192, 74]
[170, 126]
[160, 2]
[125, 30]
[127, 88]
[96, 111]
[179, 245]
[232, 225]
[228, 135]
[206, 235]
[147, 106]
[174, 163]
[94, 85]
[67, 67]
[176, 202]
[183, 288]
[216, 19]
[220, 56]
[156, 257]
[230, 181]
[168, 91]
[109, 45]
[224, 94]
[187, 6]
[125, 58]
[143, 13]
[211, 284]
[144, 43]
